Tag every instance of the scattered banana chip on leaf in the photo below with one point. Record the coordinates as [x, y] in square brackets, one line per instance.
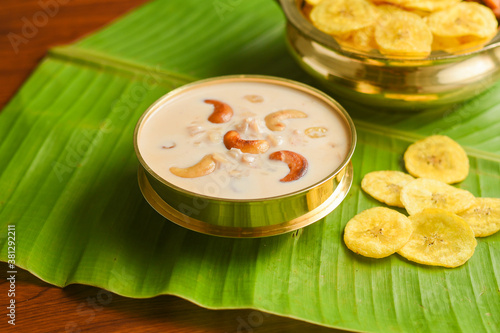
[423, 193]
[445, 220]
[439, 238]
[483, 216]
[437, 157]
[385, 186]
[377, 232]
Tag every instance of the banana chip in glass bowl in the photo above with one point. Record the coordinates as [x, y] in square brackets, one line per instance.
[396, 55]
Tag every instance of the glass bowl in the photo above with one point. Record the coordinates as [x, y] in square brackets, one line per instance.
[390, 83]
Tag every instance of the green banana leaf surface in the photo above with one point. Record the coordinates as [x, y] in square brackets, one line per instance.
[68, 180]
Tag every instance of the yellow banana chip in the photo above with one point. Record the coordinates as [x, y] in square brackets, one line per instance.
[402, 33]
[313, 2]
[439, 238]
[437, 157]
[388, 9]
[423, 193]
[464, 19]
[426, 5]
[385, 186]
[341, 17]
[364, 38]
[390, 26]
[377, 232]
[460, 44]
[483, 216]
[359, 40]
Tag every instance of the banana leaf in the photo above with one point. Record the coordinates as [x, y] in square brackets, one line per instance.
[68, 180]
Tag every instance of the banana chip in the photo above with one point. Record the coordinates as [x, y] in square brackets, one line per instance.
[483, 216]
[341, 17]
[423, 193]
[408, 28]
[388, 9]
[437, 157]
[359, 40]
[402, 33]
[439, 238]
[460, 44]
[421, 5]
[385, 186]
[464, 19]
[365, 38]
[313, 2]
[377, 232]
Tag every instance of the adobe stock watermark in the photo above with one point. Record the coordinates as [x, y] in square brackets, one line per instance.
[213, 187]
[11, 274]
[123, 108]
[255, 319]
[223, 7]
[87, 310]
[31, 25]
[457, 115]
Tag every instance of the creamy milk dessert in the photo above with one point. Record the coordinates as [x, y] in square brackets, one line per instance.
[243, 140]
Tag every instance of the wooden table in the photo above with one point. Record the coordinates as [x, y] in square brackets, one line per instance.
[41, 307]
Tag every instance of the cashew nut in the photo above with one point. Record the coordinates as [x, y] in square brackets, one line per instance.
[202, 168]
[222, 112]
[273, 120]
[296, 163]
[232, 139]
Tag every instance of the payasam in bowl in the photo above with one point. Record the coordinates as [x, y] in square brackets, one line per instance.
[245, 156]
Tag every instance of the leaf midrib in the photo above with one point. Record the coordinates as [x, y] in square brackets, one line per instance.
[88, 57]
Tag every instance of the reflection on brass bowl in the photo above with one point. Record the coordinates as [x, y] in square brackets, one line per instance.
[237, 214]
[390, 83]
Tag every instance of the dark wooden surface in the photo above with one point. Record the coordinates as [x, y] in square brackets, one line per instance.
[41, 307]
[28, 28]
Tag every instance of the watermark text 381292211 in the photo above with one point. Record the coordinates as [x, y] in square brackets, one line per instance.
[11, 274]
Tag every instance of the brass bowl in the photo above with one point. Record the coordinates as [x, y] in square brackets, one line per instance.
[384, 82]
[246, 218]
